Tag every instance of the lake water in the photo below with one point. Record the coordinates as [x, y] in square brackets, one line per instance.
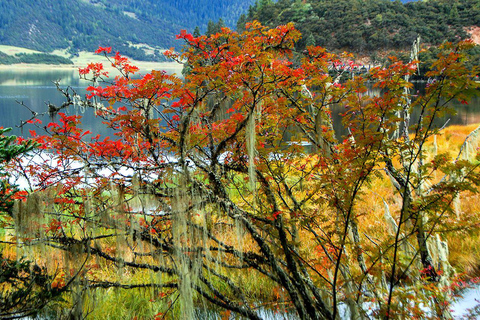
[35, 89]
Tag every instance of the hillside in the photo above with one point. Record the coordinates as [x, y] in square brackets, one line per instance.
[367, 26]
[87, 24]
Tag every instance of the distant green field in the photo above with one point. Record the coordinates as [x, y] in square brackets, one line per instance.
[11, 50]
[13, 55]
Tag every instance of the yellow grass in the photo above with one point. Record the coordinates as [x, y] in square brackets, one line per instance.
[464, 244]
[462, 233]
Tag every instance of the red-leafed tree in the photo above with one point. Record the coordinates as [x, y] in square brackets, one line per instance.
[236, 177]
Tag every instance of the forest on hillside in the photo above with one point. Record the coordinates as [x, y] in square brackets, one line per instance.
[86, 25]
[366, 26]
[361, 26]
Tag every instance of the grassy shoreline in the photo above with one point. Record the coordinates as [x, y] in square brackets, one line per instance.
[143, 65]
[80, 61]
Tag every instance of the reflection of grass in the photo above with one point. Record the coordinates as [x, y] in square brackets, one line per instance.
[127, 304]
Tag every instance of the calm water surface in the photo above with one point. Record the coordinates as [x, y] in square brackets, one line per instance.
[35, 89]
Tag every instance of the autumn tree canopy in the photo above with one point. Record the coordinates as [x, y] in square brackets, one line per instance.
[232, 182]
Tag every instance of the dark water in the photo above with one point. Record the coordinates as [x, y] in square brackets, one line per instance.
[465, 113]
[35, 89]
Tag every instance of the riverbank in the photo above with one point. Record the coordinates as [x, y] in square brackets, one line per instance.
[142, 65]
[80, 61]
